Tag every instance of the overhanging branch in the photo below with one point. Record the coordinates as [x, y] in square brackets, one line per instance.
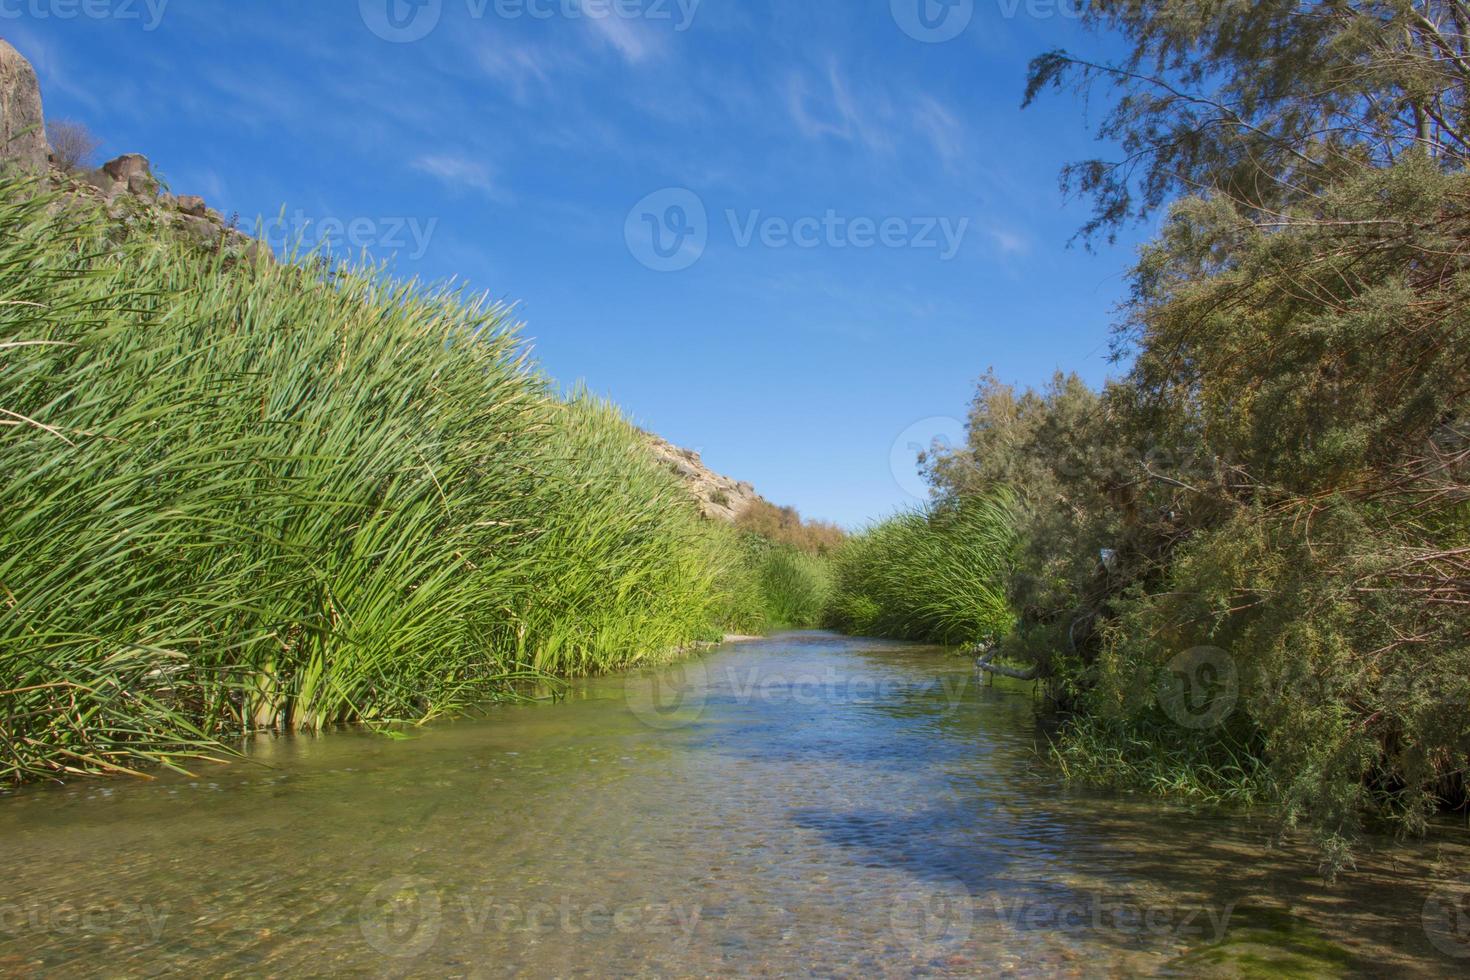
[987, 654]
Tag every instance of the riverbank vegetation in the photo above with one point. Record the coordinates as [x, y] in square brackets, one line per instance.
[244, 495]
[938, 575]
[1243, 566]
[790, 563]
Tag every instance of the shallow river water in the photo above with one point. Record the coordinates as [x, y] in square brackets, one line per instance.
[803, 805]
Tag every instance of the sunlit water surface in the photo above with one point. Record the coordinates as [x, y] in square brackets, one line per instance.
[807, 805]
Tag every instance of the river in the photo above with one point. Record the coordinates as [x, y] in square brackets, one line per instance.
[808, 805]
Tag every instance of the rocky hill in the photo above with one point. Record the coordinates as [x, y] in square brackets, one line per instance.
[719, 497]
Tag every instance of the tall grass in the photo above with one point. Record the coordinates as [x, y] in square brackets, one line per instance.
[243, 496]
[938, 575]
[1157, 756]
[795, 585]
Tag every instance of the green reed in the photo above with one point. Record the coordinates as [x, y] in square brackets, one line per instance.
[241, 495]
[939, 575]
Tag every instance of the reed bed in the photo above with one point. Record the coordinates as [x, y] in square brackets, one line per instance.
[794, 585]
[245, 495]
[939, 575]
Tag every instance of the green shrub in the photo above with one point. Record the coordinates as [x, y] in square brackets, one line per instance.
[785, 526]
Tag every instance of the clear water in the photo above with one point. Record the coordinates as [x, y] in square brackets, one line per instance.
[804, 805]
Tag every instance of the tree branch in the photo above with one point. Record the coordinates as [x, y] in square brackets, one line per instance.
[986, 653]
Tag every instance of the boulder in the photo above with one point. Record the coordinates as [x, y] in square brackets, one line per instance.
[128, 166]
[22, 126]
[143, 185]
[202, 230]
[192, 204]
[103, 182]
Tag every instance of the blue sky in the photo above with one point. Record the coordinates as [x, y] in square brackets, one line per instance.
[854, 218]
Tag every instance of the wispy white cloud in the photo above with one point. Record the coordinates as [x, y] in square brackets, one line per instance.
[829, 109]
[857, 311]
[515, 65]
[944, 131]
[524, 70]
[262, 98]
[630, 38]
[204, 181]
[48, 64]
[460, 172]
[1009, 242]
[877, 117]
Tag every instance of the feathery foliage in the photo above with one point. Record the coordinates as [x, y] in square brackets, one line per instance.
[1265, 103]
[1282, 477]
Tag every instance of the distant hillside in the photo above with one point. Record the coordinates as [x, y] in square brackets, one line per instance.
[719, 497]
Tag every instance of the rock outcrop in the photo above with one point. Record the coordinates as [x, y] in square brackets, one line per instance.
[719, 497]
[125, 188]
[22, 125]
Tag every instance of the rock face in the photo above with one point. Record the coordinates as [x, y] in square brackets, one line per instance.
[719, 497]
[124, 188]
[22, 126]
